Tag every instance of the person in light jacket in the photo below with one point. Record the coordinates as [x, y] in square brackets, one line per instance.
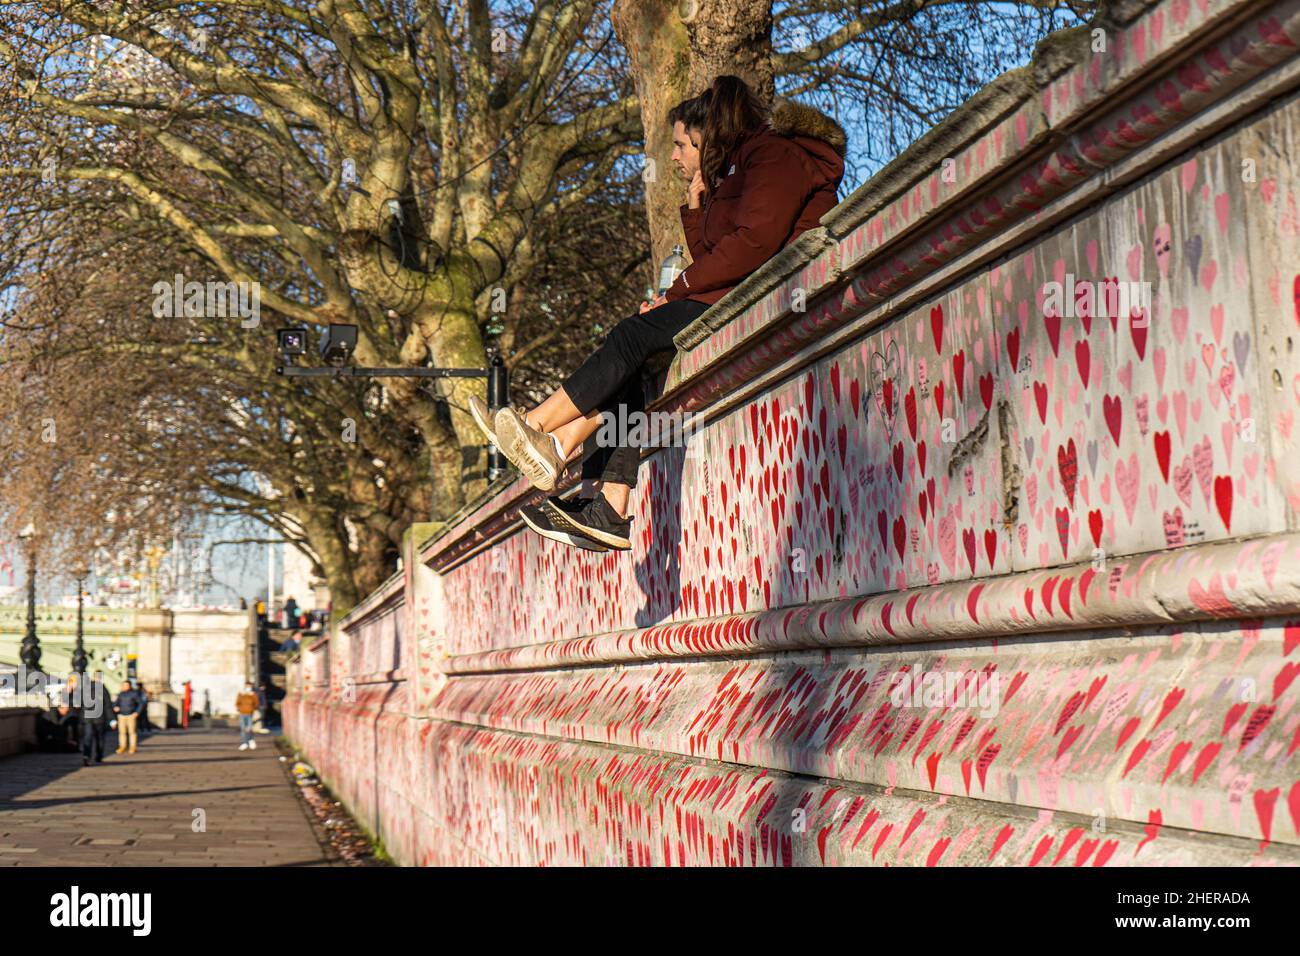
[245, 705]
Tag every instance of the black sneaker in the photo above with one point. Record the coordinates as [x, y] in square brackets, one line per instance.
[595, 519]
[536, 518]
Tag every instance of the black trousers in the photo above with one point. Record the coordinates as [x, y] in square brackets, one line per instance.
[92, 740]
[610, 380]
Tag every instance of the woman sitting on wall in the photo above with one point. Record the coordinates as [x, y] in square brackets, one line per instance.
[756, 182]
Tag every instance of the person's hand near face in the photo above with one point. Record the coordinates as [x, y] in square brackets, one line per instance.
[695, 191]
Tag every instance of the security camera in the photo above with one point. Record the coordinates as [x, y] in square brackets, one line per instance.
[338, 343]
[292, 341]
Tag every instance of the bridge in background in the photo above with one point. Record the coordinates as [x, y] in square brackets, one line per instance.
[215, 650]
[951, 575]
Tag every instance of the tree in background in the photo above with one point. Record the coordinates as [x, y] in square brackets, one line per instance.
[887, 69]
[441, 175]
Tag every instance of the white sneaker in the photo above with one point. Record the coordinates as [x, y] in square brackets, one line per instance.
[243, 746]
[252, 745]
[537, 455]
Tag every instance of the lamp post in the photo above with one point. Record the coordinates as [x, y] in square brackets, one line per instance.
[79, 654]
[30, 654]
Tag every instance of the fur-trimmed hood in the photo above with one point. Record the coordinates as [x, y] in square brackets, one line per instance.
[796, 120]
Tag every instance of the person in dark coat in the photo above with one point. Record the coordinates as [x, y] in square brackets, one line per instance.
[95, 709]
[128, 707]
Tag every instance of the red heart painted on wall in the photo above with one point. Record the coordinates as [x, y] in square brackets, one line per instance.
[1223, 499]
[1040, 399]
[1053, 323]
[1161, 440]
[1112, 407]
[1067, 462]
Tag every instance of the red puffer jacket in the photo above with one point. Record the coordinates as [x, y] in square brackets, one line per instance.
[777, 183]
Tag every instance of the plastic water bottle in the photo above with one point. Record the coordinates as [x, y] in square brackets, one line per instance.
[673, 266]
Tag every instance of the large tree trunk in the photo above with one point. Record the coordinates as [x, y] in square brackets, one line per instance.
[731, 36]
[658, 49]
[671, 60]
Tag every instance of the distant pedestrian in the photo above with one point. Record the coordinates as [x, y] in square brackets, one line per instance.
[69, 716]
[290, 611]
[268, 715]
[129, 707]
[96, 710]
[143, 727]
[245, 704]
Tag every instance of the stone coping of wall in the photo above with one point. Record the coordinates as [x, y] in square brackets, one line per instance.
[1032, 135]
[1030, 138]
[372, 604]
[1230, 579]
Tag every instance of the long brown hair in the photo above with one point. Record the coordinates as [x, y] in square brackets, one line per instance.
[733, 112]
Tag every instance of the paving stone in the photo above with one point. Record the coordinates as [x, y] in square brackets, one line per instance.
[139, 809]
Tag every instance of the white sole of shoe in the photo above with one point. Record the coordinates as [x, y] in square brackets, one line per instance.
[560, 519]
[478, 411]
[572, 540]
[517, 445]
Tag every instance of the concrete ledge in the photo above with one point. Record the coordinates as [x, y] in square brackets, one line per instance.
[583, 804]
[1232, 579]
[1125, 723]
[18, 729]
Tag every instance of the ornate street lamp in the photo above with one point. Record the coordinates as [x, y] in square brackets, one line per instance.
[79, 655]
[30, 654]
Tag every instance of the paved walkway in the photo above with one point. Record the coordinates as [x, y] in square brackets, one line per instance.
[139, 810]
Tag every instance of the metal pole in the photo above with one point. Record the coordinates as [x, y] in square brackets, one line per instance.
[498, 396]
[30, 654]
[79, 655]
[270, 580]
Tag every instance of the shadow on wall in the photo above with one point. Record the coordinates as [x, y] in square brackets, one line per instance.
[659, 574]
